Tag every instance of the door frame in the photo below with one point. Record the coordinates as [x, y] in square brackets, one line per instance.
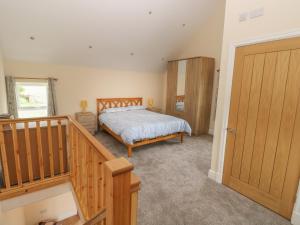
[228, 86]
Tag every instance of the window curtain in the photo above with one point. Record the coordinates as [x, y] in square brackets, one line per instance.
[52, 107]
[11, 96]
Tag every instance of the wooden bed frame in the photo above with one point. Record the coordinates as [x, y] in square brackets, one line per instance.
[180, 98]
[106, 103]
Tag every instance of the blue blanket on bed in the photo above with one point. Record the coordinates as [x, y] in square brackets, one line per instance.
[137, 124]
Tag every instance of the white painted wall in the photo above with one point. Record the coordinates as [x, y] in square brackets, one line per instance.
[3, 104]
[56, 208]
[77, 83]
[279, 17]
[55, 203]
[296, 214]
[13, 217]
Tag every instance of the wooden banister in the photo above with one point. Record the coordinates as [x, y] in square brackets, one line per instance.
[97, 218]
[36, 119]
[117, 195]
[27, 153]
[92, 140]
[53, 150]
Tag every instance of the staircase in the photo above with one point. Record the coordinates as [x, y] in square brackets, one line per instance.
[40, 153]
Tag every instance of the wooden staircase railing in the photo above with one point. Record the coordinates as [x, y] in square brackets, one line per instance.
[97, 219]
[33, 154]
[42, 152]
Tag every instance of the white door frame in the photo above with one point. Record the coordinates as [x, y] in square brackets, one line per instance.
[230, 68]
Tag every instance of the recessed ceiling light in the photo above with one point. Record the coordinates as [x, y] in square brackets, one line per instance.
[132, 53]
[90, 46]
[32, 38]
[150, 12]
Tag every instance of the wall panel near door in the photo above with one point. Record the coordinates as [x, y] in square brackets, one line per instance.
[262, 159]
[194, 102]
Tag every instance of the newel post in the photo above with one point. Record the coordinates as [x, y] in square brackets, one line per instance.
[117, 191]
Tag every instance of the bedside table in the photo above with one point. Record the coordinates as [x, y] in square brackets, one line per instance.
[88, 120]
[153, 109]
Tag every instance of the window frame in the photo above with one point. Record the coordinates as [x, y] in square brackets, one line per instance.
[33, 82]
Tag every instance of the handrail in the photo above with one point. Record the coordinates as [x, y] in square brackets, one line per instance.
[93, 141]
[35, 119]
[97, 218]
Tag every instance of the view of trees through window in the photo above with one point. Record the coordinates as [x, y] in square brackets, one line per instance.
[32, 99]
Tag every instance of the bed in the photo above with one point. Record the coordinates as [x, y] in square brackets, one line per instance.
[127, 120]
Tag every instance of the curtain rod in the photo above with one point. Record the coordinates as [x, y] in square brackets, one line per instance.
[35, 78]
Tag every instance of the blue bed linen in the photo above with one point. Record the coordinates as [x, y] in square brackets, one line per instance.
[135, 125]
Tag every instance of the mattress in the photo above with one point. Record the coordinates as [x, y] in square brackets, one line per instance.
[138, 124]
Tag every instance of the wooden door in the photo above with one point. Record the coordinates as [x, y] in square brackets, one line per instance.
[262, 159]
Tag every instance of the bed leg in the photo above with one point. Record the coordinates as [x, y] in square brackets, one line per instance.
[181, 137]
[129, 151]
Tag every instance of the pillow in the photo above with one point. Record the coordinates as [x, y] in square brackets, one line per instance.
[122, 109]
[136, 107]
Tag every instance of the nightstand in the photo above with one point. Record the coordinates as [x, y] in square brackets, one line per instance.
[6, 117]
[153, 109]
[88, 120]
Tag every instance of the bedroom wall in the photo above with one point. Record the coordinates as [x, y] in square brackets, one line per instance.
[55, 208]
[208, 42]
[279, 17]
[3, 105]
[77, 83]
[235, 31]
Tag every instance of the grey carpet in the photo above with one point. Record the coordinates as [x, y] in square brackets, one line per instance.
[176, 189]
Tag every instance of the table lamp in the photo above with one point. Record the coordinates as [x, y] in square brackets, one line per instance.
[83, 105]
[150, 102]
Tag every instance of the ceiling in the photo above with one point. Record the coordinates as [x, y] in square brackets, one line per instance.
[123, 34]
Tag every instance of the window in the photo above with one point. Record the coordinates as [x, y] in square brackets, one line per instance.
[32, 98]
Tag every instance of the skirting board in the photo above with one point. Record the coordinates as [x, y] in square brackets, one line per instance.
[212, 175]
[215, 176]
[295, 218]
[211, 131]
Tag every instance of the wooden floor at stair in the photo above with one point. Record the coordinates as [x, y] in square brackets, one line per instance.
[73, 220]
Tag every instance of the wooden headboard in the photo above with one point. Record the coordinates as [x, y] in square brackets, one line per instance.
[106, 103]
[180, 98]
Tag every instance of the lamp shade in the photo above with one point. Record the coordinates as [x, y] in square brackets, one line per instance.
[83, 105]
[150, 102]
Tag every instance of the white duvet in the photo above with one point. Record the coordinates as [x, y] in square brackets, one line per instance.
[136, 123]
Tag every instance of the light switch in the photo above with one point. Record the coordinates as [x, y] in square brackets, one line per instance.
[243, 17]
[256, 13]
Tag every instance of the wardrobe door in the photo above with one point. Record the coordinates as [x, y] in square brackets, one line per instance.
[199, 87]
[205, 86]
[193, 69]
[171, 87]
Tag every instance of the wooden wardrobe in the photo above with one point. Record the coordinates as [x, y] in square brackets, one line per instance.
[189, 91]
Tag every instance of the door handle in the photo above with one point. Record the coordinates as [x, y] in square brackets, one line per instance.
[231, 130]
